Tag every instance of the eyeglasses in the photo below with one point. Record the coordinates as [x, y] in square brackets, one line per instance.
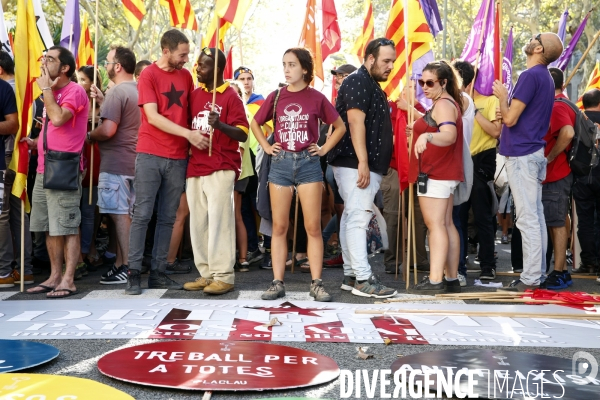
[106, 63]
[341, 77]
[539, 39]
[206, 51]
[430, 83]
[49, 59]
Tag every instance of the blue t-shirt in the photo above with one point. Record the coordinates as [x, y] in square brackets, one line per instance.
[8, 105]
[535, 88]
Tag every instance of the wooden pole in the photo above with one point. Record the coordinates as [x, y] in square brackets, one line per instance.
[207, 395]
[481, 314]
[398, 238]
[91, 190]
[214, 99]
[483, 25]
[71, 39]
[408, 249]
[295, 231]
[500, 53]
[411, 120]
[585, 53]
[22, 245]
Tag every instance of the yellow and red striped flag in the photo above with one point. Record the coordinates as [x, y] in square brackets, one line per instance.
[233, 11]
[134, 12]
[367, 33]
[210, 39]
[593, 83]
[27, 69]
[182, 14]
[310, 40]
[413, 36]
[85, 54]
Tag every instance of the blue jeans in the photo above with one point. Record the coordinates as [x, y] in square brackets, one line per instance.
[165, 178]
[525, 177]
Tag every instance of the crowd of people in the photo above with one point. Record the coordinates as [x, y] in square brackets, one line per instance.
[166, 150]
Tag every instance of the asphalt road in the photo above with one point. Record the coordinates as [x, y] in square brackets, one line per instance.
[78, 357]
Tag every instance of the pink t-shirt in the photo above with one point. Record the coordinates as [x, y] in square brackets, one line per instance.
[298, 114]
[71, 135]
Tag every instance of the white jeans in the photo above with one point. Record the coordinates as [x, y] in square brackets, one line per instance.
[358, 210]
[525, 176]
[212, 224]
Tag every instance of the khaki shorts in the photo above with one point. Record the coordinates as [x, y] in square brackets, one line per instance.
[55, 211]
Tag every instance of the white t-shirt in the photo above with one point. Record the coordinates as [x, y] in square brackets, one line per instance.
[468, 119]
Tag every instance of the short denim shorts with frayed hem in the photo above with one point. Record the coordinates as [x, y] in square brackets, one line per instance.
[293, 169]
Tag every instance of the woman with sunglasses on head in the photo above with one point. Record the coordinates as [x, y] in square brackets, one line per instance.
[295, 163]
[436, 167]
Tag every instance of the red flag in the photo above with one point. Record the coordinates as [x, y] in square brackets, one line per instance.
[332, 37]
[400, 154]
[334, 92]
[228, 71]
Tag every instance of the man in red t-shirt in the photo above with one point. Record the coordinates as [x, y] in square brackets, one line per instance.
[163, 145]
[556, 189]
[211, 174]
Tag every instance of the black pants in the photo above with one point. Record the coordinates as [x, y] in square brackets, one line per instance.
[484, 165]
[587, 204]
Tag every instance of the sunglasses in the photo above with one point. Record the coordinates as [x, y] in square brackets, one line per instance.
[384, 42]
[430, 83]
[539, 39]
[206, 51]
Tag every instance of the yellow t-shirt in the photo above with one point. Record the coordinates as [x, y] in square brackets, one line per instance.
[487, 107]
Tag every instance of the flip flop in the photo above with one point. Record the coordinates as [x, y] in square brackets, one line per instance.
[288, 267]
[45, 289]
[69, 293]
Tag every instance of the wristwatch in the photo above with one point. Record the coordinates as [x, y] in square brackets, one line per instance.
[429, 137]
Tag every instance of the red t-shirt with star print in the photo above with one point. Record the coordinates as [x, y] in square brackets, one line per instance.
[170, 91]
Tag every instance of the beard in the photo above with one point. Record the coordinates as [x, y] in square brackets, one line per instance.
[378, 74]
[174, 64]
[111, 73]
[528, 48]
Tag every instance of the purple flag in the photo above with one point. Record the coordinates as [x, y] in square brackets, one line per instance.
[432, 15]
[469, 53]
[507, 62]
[417, 73]
[562, 31]
[71, 28]
[564, 58]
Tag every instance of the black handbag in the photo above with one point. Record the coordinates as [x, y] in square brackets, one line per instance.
[61, 168]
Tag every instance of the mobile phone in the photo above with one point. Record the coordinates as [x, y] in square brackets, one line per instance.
[422, 183]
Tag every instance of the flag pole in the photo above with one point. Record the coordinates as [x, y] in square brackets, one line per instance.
[477, 59]
[411, 117]
[91, 190]
[582, 58]
[214, 99]
[71, 39]
[500, 53]
[22, 245]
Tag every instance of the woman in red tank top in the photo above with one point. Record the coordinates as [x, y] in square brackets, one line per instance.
[437, 153]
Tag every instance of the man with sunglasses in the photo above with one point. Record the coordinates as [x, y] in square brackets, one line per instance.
[163, 145]
[526, 117]
[360, 159]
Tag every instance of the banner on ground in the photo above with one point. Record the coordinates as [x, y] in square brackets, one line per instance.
[292, 322]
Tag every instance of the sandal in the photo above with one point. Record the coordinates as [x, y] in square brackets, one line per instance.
[298, 263]
[305, 266]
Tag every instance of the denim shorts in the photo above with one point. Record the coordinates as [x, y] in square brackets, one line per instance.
[293, 169]
[115, 194]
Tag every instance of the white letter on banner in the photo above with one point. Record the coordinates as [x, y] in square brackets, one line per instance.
[346, 379]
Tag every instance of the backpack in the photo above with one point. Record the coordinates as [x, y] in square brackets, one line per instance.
[584, 154]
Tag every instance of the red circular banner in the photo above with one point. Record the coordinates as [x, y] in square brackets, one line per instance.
[218, 365]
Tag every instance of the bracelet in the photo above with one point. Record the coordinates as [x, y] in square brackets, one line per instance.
[429, 137]
[46, 88]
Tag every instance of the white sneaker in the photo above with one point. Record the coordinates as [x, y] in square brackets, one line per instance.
[462, 280]
[598, 281]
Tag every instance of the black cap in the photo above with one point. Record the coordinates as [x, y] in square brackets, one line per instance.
[344, 69]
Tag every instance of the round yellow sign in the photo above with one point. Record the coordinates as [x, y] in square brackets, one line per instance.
[52, 387]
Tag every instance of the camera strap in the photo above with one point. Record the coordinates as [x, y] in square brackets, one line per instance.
[420, 164]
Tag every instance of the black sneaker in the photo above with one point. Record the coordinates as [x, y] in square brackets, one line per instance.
[254, 256]
[133, 282]
[266, 261]
[177, 268]
[517, 286]
[159, 280]
[488, 274]
[555, 281]
[117, 278]
[426, 287]
[517, 270]
[567, 278]
[113, 270]
[452, 286]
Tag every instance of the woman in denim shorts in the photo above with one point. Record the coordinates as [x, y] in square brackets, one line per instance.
[296, 110]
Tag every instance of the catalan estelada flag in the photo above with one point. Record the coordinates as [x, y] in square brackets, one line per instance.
[210, 39]
[134, 12]
[28, 61]
[367, 33]
[182, 14]
[233, 11]
[593, 83]
[410, 35]
[85, 55]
